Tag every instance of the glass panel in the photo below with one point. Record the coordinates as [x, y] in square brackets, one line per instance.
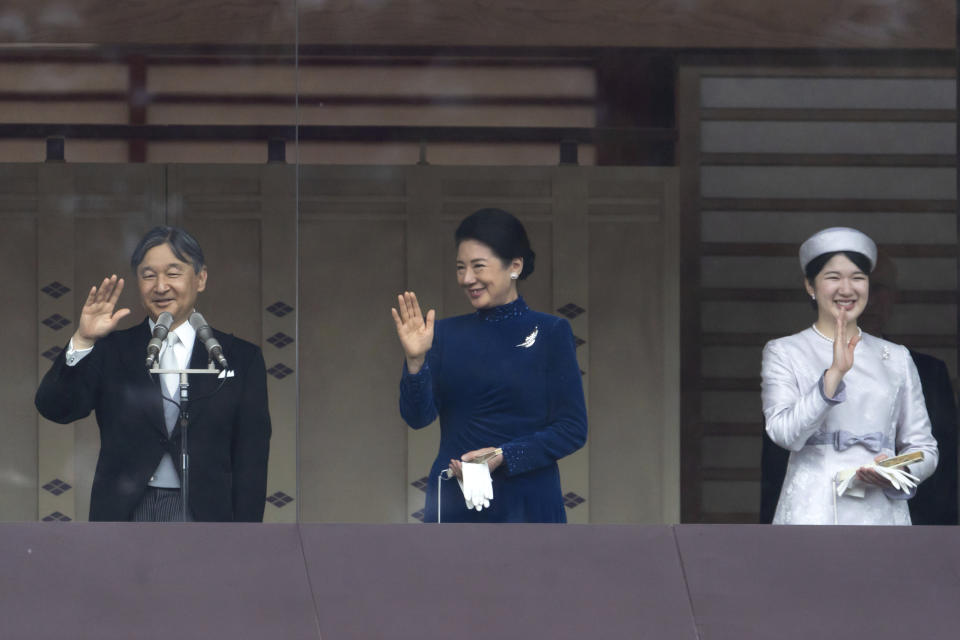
[785, 153]
[322, 158]
[764, 148]
[116, 118]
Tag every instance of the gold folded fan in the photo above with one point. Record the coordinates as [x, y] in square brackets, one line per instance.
[901, 460]
[488, 455]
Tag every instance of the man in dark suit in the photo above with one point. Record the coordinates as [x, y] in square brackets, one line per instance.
[103, 370]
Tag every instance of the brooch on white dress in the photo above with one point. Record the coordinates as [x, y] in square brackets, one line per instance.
[530, 339]
[884, 353]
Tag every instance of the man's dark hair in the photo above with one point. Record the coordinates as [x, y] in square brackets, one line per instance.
[502, 232]
[182, 244]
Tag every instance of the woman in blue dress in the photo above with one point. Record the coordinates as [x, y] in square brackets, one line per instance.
[504, 377]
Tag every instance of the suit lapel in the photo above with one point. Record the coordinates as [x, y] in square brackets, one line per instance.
[202, 385]
[132, 355]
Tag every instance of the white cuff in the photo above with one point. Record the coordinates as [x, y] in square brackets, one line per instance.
[74, 356]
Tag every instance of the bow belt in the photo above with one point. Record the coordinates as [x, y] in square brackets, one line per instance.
[843, 440]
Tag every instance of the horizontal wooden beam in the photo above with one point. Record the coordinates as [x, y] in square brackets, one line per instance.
[721, 24]
[837, 63]
[706, 24]
[252, 54]
[312, 100]
[65, 96]
[317, 133]
[828, 63]
[276, 99]
[830, 115]
[828, 204]
[828, 160]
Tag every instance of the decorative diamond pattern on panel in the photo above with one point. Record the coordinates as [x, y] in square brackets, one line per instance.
[417, 515]
[51, 353]
[572, 500]
[280, 340]
[56, 516]
[279, 309]
[56, 322]
[571, 310]
[279, 499]
[578, 341]
[57, 486]
[421, 483]
[55, 289]
[279, 371]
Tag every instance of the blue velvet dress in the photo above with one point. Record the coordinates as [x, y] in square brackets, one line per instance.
[502, 377]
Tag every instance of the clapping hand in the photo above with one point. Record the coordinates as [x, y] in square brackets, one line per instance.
[98, 318]
[415, 332]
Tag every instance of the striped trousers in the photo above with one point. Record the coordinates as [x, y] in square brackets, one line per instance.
[160, 505]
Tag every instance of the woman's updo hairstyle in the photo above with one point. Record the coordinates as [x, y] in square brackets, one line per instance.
[502, 232]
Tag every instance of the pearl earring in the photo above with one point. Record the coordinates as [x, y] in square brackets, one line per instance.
[813, 297]
[514, 276]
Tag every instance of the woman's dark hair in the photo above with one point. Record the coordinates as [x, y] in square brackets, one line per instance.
[815, 266]
[502, 232]
[182, 244]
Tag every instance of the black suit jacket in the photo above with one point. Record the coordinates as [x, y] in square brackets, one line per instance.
[936, 498]
[228, 428]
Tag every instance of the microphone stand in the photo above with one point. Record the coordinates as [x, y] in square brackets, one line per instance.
[183, 420]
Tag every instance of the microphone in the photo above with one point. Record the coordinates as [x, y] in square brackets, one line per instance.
[205, 333]
[160, 330]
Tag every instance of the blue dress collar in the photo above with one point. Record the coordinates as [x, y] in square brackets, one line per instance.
[513, 309]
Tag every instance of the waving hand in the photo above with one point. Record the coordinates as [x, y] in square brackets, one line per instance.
[415, 331]
[98, 318]
[842, 355]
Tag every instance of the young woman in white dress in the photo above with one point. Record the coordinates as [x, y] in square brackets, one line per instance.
[840, 399]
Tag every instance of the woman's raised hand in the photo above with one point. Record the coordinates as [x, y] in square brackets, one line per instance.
[842, 355]
[415, 332]
[97, 318]
[843, 345]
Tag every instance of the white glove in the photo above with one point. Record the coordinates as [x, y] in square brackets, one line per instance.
[477, 486]
[849, 484]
